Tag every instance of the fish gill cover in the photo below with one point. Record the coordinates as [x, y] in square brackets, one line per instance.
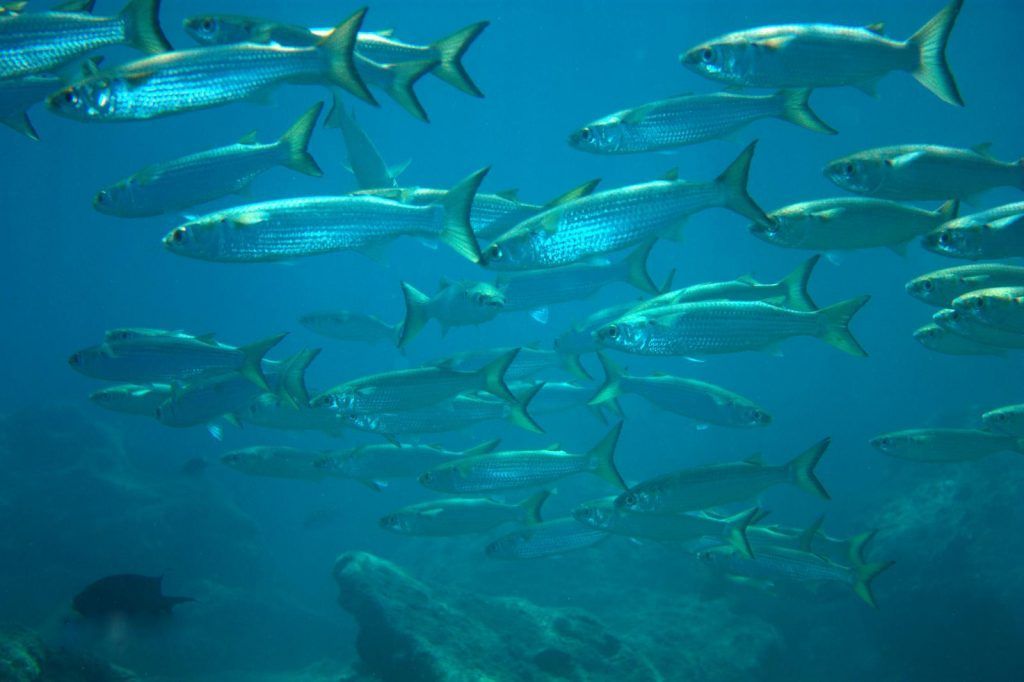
[593, 341]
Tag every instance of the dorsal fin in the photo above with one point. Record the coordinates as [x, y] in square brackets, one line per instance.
[878, 28]
[747, 279]
[672, 174]
[575, 193]
[76, 6]
[510, 194]
[984, 149]
[248, 138]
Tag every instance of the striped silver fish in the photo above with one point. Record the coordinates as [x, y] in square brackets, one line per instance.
[691, 119]
[205, 176]
[789, 292]
[372, 464]
[714, 485]
[275, 462]
[346, 325]
[945, 445]
[270, 411]
[39, 42]
[141, 400]
[826, 55]
[967, 326]
[458, 516]
[291, 228]
[1000, 307]
[996, 233]
[939, 288]
[455, 304]
[921, 172]
[513, 469]
[617, 219]
[545, 539]
[711, 327]
[187, 80]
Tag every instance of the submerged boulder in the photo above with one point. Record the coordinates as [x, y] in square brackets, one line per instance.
[411, 632]
[24, 658]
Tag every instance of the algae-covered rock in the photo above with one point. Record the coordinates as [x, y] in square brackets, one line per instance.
[411, 632]
[21, 656]
[25, 658]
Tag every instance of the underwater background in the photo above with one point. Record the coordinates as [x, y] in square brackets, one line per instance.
[86, 493]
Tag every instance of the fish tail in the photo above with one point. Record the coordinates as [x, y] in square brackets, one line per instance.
[450, 51]
[858, 546]
[864, 574]
[458, 202]
[252, 360]
[734, 182]
[806, 539]
[519, 414]
[801, 469]
[417, 313]
[602, 457]
[400, 86]
[835, 325]
[531, 507]
[573, 365]
[795, 286]
[667, 284]
[636, 268]
[338, 50]
[295, 143]
[949, 210]
[482, 448]
[292, 386]
[21, 123]
[142, 26]
[492, 376]
[932, 69]
[796, 108]
[736, 533]
[612, 386]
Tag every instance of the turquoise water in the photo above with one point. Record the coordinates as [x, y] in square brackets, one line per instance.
[86, 492]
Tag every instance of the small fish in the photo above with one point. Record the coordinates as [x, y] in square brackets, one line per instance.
[812, 540]
[996, 233]
[142, 400]
[458, 516]
[850, 223]
[364, 160]
[346, 325]
[697, 400]
[535, 289]
[945, 445]
[291, 228]
[126, 596]
[617, 219]
[603, 515]
[276, 462]
[271, 411]
[692, 119]
[513, 469]
[941, 287]
[165, 359]
[455, 304]
[783, 564]
[936, 338]
[1008, 420]
[370, 464]
[40, 42]
[923, 172]
[827, 55]
[167, 83]
[1000, 307]
[969, 327]
[545, 539]
[789, 292]
[714, 485]
[205, 176]
[711, 327]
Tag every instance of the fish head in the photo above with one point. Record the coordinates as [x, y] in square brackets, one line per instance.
[482, 300]
[438, 478]
[748, 414]
[628, 334]
[397, 523]
[519, 249]
[117, 198]
[857, 174]
[88, 99]
[233, 460]
[991, 306]
[595, 515]
[929, 335]
[635, 501]
[213, 29]
[956, 241]
[926, 288]
[604, 135]
[952, 320]
[508, 546]
[896, 443]
[731, 58]
[785, 229]
[166, 413]
[1007, 420]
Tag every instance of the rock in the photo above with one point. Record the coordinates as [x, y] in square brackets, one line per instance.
[410, 632]
[24, 658]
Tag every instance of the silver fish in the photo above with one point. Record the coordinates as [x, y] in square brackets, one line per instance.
[455, 304]
[935, 338]
[545, 539]
[996, 233]
[692, 119]
[826, 55]
[1001, 307]
[714, 485]
[142, 400]
[205, 176]
[374, 464]
[945, 445]
[456, 516]
[346, 325]
[187, 80]
[967, 326]
[939, 288]
[1008, 420]
[271, 411]
[275, 462]
[38, 42]
[789, 292]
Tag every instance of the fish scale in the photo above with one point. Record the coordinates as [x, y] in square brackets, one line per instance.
[33, 43]
[776, 561]
[545, 539]
[702, 487]
[504, 470]
[163, 361]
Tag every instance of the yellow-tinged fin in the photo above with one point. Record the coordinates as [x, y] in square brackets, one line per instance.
[403, 77]
[74, 6]
[801, 469]
[796, 108]
[586, 189]
[450, 51]
[142, 26]
[294, 144]
[21, 123]
[574, 366]
[930, 41]
[251, 137]
[858, 546]
[733, 181]
[794, 286]
[949, 210]
[492, 376]
[338, 49]
[417, 313]
[252, 360]
[878, 28]
[291, 387]
[483, 448]
[531, 507]
[864, 574]
[636, 268]
[519, 415]
[458, 202]
[509, 194]
[805, 541]
[835, 325]
[602, 457]
[612, 386]
[736, 535]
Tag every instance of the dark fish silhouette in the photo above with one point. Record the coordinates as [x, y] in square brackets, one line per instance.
[128, 595]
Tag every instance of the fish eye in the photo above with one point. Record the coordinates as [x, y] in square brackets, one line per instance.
[979, 303]
[102, 197]
[927, 285]
[848, 169]
[708, 55]
[426, 477]
[494, 252]
[630, 499]
[208, 25]
[75, 359]
[944, 239]
[884, 442]
[178, 235]
[585, 134]
[612, 331]
[71, 97]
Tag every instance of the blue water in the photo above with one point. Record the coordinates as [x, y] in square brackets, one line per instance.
[74, 510]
